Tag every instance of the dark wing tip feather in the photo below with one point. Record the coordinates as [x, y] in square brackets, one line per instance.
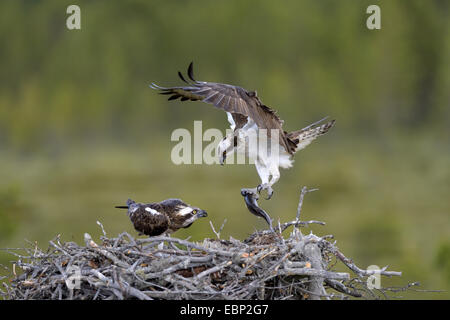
[175, 96]
[181, 77]
[330, 125]
[191, 71]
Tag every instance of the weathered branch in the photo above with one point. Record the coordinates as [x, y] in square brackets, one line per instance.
[266, 265]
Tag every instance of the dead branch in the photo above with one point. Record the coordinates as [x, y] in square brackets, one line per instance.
[266, 265]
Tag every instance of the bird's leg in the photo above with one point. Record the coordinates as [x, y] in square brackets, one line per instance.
[264, 173]
[267, 187]
[274, 173]
[251, 197]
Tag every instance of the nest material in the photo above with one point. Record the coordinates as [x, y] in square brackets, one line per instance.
[264, 266]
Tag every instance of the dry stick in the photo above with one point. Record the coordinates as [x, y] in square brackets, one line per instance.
[297, 221]
[220, 230]
[300, 203]
[104, 252]
[215, 269]
[118, 269]
[128, 290]
[187, 244]
[316, 273]
[338, 286]
[101, 226]
[349, 263]
[184, 264]
[312, 252]
[257, 259]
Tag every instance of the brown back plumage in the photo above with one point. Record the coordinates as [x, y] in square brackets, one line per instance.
[233, 99]
[156, 218]
[148, 224]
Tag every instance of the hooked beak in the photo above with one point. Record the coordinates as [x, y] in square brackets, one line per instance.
[202, 214]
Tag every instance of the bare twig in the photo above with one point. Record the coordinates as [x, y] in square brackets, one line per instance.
[266, 265]
[217, 233]
[101, 226]
[304, 191]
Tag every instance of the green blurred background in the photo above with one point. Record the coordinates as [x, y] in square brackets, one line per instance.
[80, 131]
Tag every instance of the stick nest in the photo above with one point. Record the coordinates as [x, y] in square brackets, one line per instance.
[266, 265]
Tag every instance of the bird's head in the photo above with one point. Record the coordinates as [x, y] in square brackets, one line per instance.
[226, 147]
[185, 215]
[132, 206]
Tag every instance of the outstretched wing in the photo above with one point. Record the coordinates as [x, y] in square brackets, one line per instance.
[233, 99]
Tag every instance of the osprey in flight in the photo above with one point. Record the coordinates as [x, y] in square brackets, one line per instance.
[153, 219]
[247, 115]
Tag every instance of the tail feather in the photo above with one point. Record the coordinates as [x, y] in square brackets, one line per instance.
[305, 136]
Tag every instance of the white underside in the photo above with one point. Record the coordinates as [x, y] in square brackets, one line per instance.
[268, 159]
[261, 150]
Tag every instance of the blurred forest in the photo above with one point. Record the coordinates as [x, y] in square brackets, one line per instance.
[81, 131]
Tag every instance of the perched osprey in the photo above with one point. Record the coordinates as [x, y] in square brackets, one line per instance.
[247, 115]
[153, 219]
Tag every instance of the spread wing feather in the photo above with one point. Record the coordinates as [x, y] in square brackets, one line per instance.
[305, 136]
[233, 99]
